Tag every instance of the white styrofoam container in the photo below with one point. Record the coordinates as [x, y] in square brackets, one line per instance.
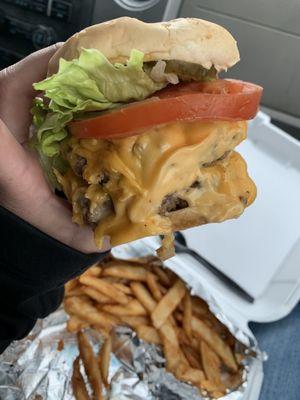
[261, 249]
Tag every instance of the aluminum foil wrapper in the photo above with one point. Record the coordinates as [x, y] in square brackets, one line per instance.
[40, 366]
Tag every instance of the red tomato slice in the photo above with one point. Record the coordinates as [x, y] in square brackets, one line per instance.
[224, 99]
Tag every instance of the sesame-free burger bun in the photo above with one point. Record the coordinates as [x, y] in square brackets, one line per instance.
[184, 39]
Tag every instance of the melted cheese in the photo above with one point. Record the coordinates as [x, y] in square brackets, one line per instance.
[144, 169]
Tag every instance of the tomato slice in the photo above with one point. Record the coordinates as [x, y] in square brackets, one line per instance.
[223, 99]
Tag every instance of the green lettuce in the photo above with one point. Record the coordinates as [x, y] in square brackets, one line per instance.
[87, 84]
[92, 83]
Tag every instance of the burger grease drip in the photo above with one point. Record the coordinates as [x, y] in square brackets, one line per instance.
[132, 177]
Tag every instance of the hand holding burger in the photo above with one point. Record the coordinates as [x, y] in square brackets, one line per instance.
[23, 188]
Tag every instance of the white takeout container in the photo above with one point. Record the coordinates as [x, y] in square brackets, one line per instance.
[260, 250]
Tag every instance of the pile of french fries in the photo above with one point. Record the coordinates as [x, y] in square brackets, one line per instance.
[157, 305]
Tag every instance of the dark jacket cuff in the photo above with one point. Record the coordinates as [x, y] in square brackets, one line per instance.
[33, 269]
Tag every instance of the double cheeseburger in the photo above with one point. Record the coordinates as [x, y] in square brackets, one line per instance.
[135, 127]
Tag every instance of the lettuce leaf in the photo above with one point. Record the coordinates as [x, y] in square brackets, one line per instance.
[92, 83]
[87, 84]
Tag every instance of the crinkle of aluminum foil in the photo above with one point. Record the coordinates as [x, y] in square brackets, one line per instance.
[36, 369]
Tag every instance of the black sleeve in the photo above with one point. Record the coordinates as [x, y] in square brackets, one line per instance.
[33, 270]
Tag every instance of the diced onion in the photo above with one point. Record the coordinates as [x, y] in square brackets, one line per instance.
[158, 73]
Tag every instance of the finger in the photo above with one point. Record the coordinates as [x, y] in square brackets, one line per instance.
[17, 92]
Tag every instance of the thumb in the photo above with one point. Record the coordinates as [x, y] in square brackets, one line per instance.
[17, 91]
[57, 222]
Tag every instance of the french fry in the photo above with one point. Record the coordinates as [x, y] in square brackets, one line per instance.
[70, 285]
[60, 345]
[97, 296]
[192, 357]
[145, 261]
[187, 314]
[172, 276]
[203, 332]
[184, 360]
[171, 353]
[79, 390]
[162, 275]
[182, 337]
[148, 334]
[108, 289]
[110, 279]
[171, 347]
[208, 322]
[105, 332]
[172, 320]
[178, 316]
[168, 304]
[188, 374]
[113, 319]
[210, 387]
[134, 321]
[103, 359]
[123, 288]
[94, 270]
[167, 331]
[134, 273]
[217, 326]
[75, 324]
[143, 295]
[185, 340]
[167, 249]
[87, 312]
[90, 365]
[232, 381]
[162, 288]
[199, 307]
[217, 395]
[153, 286]
[230, 340]
[133, 308]
[76, 291]
[212, 366]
